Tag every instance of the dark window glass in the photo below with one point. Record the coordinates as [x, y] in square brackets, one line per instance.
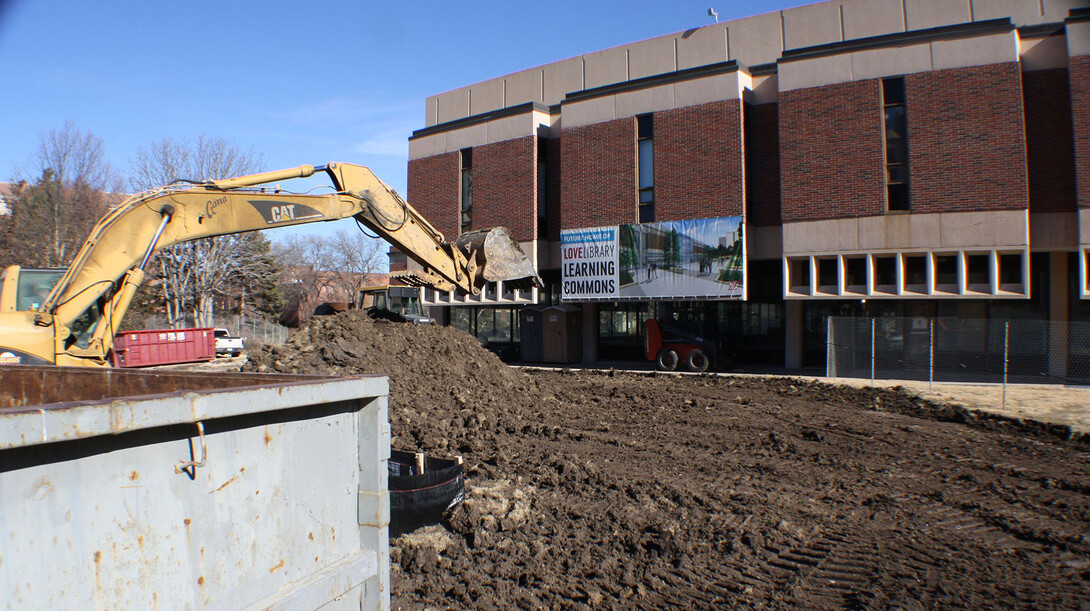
[467, 190]
[857, 271]
[897, 196]
[893, 90]
[827, 272]
[946, 269]
[897, 174]
[885, 271]
[896, 137]
[647, 164]
[915, 270]
[1010, 269]
[800, 274]
[645, 158]
[462, 318]
[978, 269]
[647, 213]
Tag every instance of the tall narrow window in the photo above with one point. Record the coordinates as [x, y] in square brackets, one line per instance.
[645, 140]
[542, 188]
[467, 190]
[896, 133]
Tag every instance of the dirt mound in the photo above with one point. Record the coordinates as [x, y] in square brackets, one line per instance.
[635, 491]
[447, 393]
[629, 491]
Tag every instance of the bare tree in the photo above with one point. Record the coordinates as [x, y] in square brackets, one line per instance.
[354, 255]
[301, 259]
[52, 216]
[74, 156]
[192, 273]
[206, 157]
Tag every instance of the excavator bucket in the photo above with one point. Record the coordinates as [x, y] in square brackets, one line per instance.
[499, 258]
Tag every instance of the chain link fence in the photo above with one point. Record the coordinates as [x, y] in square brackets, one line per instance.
[255, 330]
[959, 350]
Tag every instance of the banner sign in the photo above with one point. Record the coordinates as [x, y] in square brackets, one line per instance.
[693, 259]
[589, 263]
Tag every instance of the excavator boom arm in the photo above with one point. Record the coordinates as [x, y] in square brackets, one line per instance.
[123, 241]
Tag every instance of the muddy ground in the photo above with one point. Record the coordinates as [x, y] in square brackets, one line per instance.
[615, 490]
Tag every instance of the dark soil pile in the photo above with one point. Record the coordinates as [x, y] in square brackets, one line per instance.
[628, 491]
[447, 393]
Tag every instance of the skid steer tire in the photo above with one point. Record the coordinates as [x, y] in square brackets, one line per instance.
[666, 360]
[697, 361]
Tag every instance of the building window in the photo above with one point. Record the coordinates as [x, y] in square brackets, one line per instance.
[885, 273]
[827, 275]
[542, 188]
[1010, 272]
[488, 325]
[946, 273]
[645, 142]
[855, 270]
[467, 190]
[978, 271]
[896, 136]
[798, 271]
[916, 273]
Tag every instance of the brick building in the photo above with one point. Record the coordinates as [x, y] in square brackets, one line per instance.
[915, 158]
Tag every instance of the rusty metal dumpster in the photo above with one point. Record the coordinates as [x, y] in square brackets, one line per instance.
[124, 489]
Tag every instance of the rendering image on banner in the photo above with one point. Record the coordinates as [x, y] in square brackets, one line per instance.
[700, 259]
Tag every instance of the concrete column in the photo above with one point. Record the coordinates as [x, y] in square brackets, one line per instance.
[793, 333]
[590, 332]
[1059, 301]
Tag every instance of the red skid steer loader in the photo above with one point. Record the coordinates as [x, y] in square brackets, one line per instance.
[671, 347]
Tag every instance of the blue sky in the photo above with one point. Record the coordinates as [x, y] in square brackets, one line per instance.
[296, 82]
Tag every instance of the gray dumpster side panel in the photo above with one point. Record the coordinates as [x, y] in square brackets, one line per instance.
[287, 511]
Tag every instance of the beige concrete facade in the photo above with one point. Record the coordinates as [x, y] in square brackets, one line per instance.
[1044, 53]
[960, 236]
[489, 132]
[902, 59]
[761, 39]
[727, 86]
[1078, 39]
[902, 232]
[867, 18]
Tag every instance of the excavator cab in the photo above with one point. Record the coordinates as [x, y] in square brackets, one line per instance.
[23, 289]
[392, 302]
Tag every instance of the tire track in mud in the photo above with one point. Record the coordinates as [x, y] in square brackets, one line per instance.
[828, 572]
[838, 569]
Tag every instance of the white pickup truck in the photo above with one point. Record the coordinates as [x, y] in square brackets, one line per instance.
[226, 345]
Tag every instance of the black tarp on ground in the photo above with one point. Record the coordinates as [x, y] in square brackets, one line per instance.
[419, 499]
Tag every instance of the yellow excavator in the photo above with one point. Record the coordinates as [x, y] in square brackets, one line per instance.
[74, 323]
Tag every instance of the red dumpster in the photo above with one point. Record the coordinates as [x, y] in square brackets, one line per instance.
[163, 347]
